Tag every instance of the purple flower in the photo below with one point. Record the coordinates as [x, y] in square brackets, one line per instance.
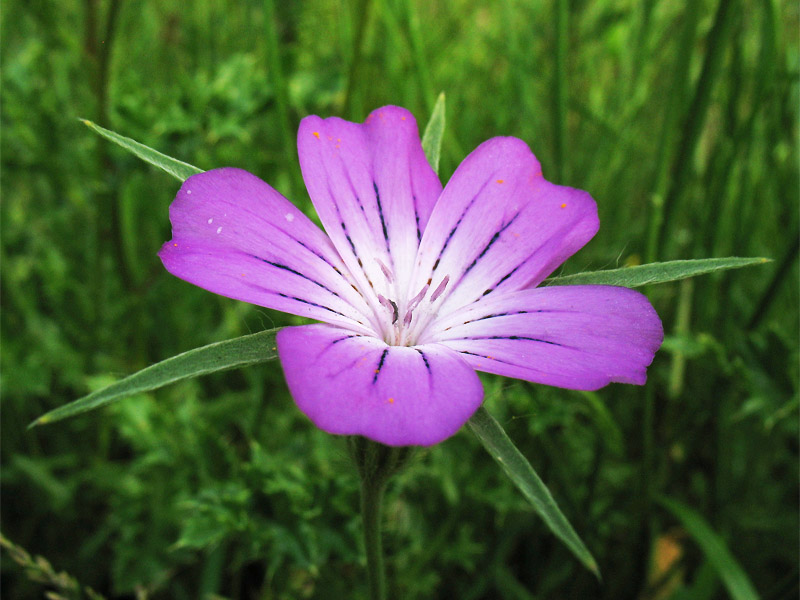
[417, 287]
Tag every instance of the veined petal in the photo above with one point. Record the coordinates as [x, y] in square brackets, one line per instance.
[373, 190]
[234, 235]
[357, 385]
[576, 337]
[499, 226]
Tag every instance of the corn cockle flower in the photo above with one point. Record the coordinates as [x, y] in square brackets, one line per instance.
[417, 287]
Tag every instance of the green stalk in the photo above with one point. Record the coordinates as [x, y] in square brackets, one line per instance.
[560, 84]
[371, 505]
[677, 369]
[281, 96]
[779, 278]
[418, 55]
[106, 227]
[362, 10]
[676, 105]
[376, 463]
[696, 117]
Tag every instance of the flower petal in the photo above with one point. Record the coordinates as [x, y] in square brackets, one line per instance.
[499, 226]
[576, 337]
[373, 190]
[396, 395]
[236, 236]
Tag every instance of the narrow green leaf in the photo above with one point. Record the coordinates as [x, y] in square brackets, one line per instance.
[178, 169]
[716, 550]
[560, 81]
[660, 272]
[434, 131]
[230, 354]
[520, 471]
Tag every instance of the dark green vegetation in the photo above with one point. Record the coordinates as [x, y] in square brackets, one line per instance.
[679, 118]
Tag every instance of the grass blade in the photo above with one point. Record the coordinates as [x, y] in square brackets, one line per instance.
[560, 87]
[520, 471]
[716, 550]
[178, 169]
[230, 354]
[278, 79]
[434, 131]
[661, 272]
[697, 113]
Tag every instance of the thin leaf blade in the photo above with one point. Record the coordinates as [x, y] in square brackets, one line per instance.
[661, 272]
[220, 356]
[434, 132]
[520, 471]
[178, 169]
[716, 550]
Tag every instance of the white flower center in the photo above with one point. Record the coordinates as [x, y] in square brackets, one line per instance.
[402, 321]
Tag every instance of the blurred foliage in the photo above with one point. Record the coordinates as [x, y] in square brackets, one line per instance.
[679, 117]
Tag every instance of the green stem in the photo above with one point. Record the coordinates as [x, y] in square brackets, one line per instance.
[281, 96]
[713, 63]
[560, 96]
[362, 10]
[371, 504]
[376, 463]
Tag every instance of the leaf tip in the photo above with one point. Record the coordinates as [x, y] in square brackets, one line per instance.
[44, 419]
[591, 564]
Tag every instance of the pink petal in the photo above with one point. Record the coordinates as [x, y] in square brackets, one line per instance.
[396, 395]
[576, 337]
[236, 236]
[499, 226]
[373, 190]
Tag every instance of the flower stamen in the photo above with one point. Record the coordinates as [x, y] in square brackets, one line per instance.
[440, 288]
[391, 305]
[386, 272]
[418, 298]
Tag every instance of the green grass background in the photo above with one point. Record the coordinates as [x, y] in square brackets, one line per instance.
[680, 118]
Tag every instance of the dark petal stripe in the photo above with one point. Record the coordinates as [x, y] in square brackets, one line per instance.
[508, 337]
[515, 269]
[516, 312]
[424, 359]
[416, 219]
[380, 365]
[349, 239]
[487, 357]
[506, 276]
[495, 237]
[380, 214]
[295, 272]
[322, 306]
[355, 194]
[461, 218]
